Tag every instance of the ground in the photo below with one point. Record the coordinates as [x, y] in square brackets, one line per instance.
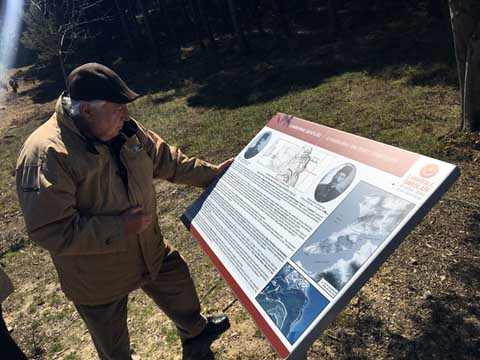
[424, 301]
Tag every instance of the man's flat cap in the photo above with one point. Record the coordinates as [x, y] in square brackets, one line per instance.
[94, 81]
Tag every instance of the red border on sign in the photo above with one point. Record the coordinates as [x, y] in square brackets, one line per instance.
[372, 153]
[266, 329]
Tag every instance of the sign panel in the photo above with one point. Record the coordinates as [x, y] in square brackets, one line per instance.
[303, 218]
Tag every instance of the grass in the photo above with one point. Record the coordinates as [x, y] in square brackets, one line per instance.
[356, 102]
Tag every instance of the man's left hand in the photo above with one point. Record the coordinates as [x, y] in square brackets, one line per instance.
[225, 165]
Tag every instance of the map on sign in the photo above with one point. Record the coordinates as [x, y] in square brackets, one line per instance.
[291, 302]
[304, 216]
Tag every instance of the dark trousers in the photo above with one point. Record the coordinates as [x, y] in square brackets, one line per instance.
[173, 292]
[8, 348]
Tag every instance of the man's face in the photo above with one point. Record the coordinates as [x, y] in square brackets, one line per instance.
[338, 178]
[261, 143]
[105, 122]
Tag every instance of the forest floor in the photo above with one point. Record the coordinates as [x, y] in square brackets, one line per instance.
[423, 303]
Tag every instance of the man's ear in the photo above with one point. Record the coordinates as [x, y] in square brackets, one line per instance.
[85, 110]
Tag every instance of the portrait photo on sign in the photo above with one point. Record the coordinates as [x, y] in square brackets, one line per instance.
[335, 182]
[258, 145]
[347, 238]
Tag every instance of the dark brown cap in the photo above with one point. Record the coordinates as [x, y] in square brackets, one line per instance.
[94, 81]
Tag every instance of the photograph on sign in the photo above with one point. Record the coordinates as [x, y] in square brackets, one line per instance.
[335, 182]
[304, 216]
[258, 145]
[344, 241]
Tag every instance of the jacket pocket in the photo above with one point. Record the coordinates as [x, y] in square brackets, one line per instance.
[29, 177]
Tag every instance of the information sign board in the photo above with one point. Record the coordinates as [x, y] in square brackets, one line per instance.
[303, 218]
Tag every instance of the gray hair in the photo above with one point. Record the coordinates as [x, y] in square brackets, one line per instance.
[72, 106]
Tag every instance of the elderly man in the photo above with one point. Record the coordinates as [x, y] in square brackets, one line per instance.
[84, 181]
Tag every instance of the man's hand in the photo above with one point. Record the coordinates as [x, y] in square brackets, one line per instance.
[135, 221]
[224, 165]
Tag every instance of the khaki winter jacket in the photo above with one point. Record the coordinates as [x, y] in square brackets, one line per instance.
[6, 287]
[71, 196]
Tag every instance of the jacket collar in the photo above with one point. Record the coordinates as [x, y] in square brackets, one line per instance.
[128, 130]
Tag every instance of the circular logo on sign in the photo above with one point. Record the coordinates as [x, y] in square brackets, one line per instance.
[429, 170]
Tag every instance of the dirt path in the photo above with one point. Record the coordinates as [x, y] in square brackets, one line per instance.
[17, 109]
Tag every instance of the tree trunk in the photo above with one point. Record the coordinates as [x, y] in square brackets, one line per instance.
[123, 21]
[258, 15]
[332, 17]
[148, 27]
[61, 60]
[286, 26]
[309, 5]
[222, 6]
[466, 33]
[131, 18]
[205, 25]
[193, 22]
[171, 29]
[62, 66]
[242, 42]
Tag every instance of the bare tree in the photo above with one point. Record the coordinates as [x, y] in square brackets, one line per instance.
[170, 25]
[148, 26]
[192, 21]
[332, 16]
[286, 25]
[200, 14]
[465, 19]
[55, 28]
[124, 22]
[242, 42]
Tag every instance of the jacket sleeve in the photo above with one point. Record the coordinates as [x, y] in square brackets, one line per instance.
[46, 192]
[170, 164]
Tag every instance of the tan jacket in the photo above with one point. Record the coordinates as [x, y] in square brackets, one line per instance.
[6, 287]
[71, 197]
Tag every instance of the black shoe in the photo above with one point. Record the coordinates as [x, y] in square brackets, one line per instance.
[216, 326]
[198, 348]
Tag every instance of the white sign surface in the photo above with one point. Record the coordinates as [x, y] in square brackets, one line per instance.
[304, 216]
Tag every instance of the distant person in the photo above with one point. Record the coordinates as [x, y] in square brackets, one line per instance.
[258, 145]
[8, 348]
[13, 84]
[337, 185]
[85, 185]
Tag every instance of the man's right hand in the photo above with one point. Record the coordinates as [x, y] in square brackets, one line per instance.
[135, 221]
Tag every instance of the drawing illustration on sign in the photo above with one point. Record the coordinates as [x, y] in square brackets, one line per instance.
[291, 302]
[294, 165]
[341, 244]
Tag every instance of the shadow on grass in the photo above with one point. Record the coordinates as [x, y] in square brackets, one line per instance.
[274, 67]
[467, 270]
[44, 92]
[448, 333]
[383, 52]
